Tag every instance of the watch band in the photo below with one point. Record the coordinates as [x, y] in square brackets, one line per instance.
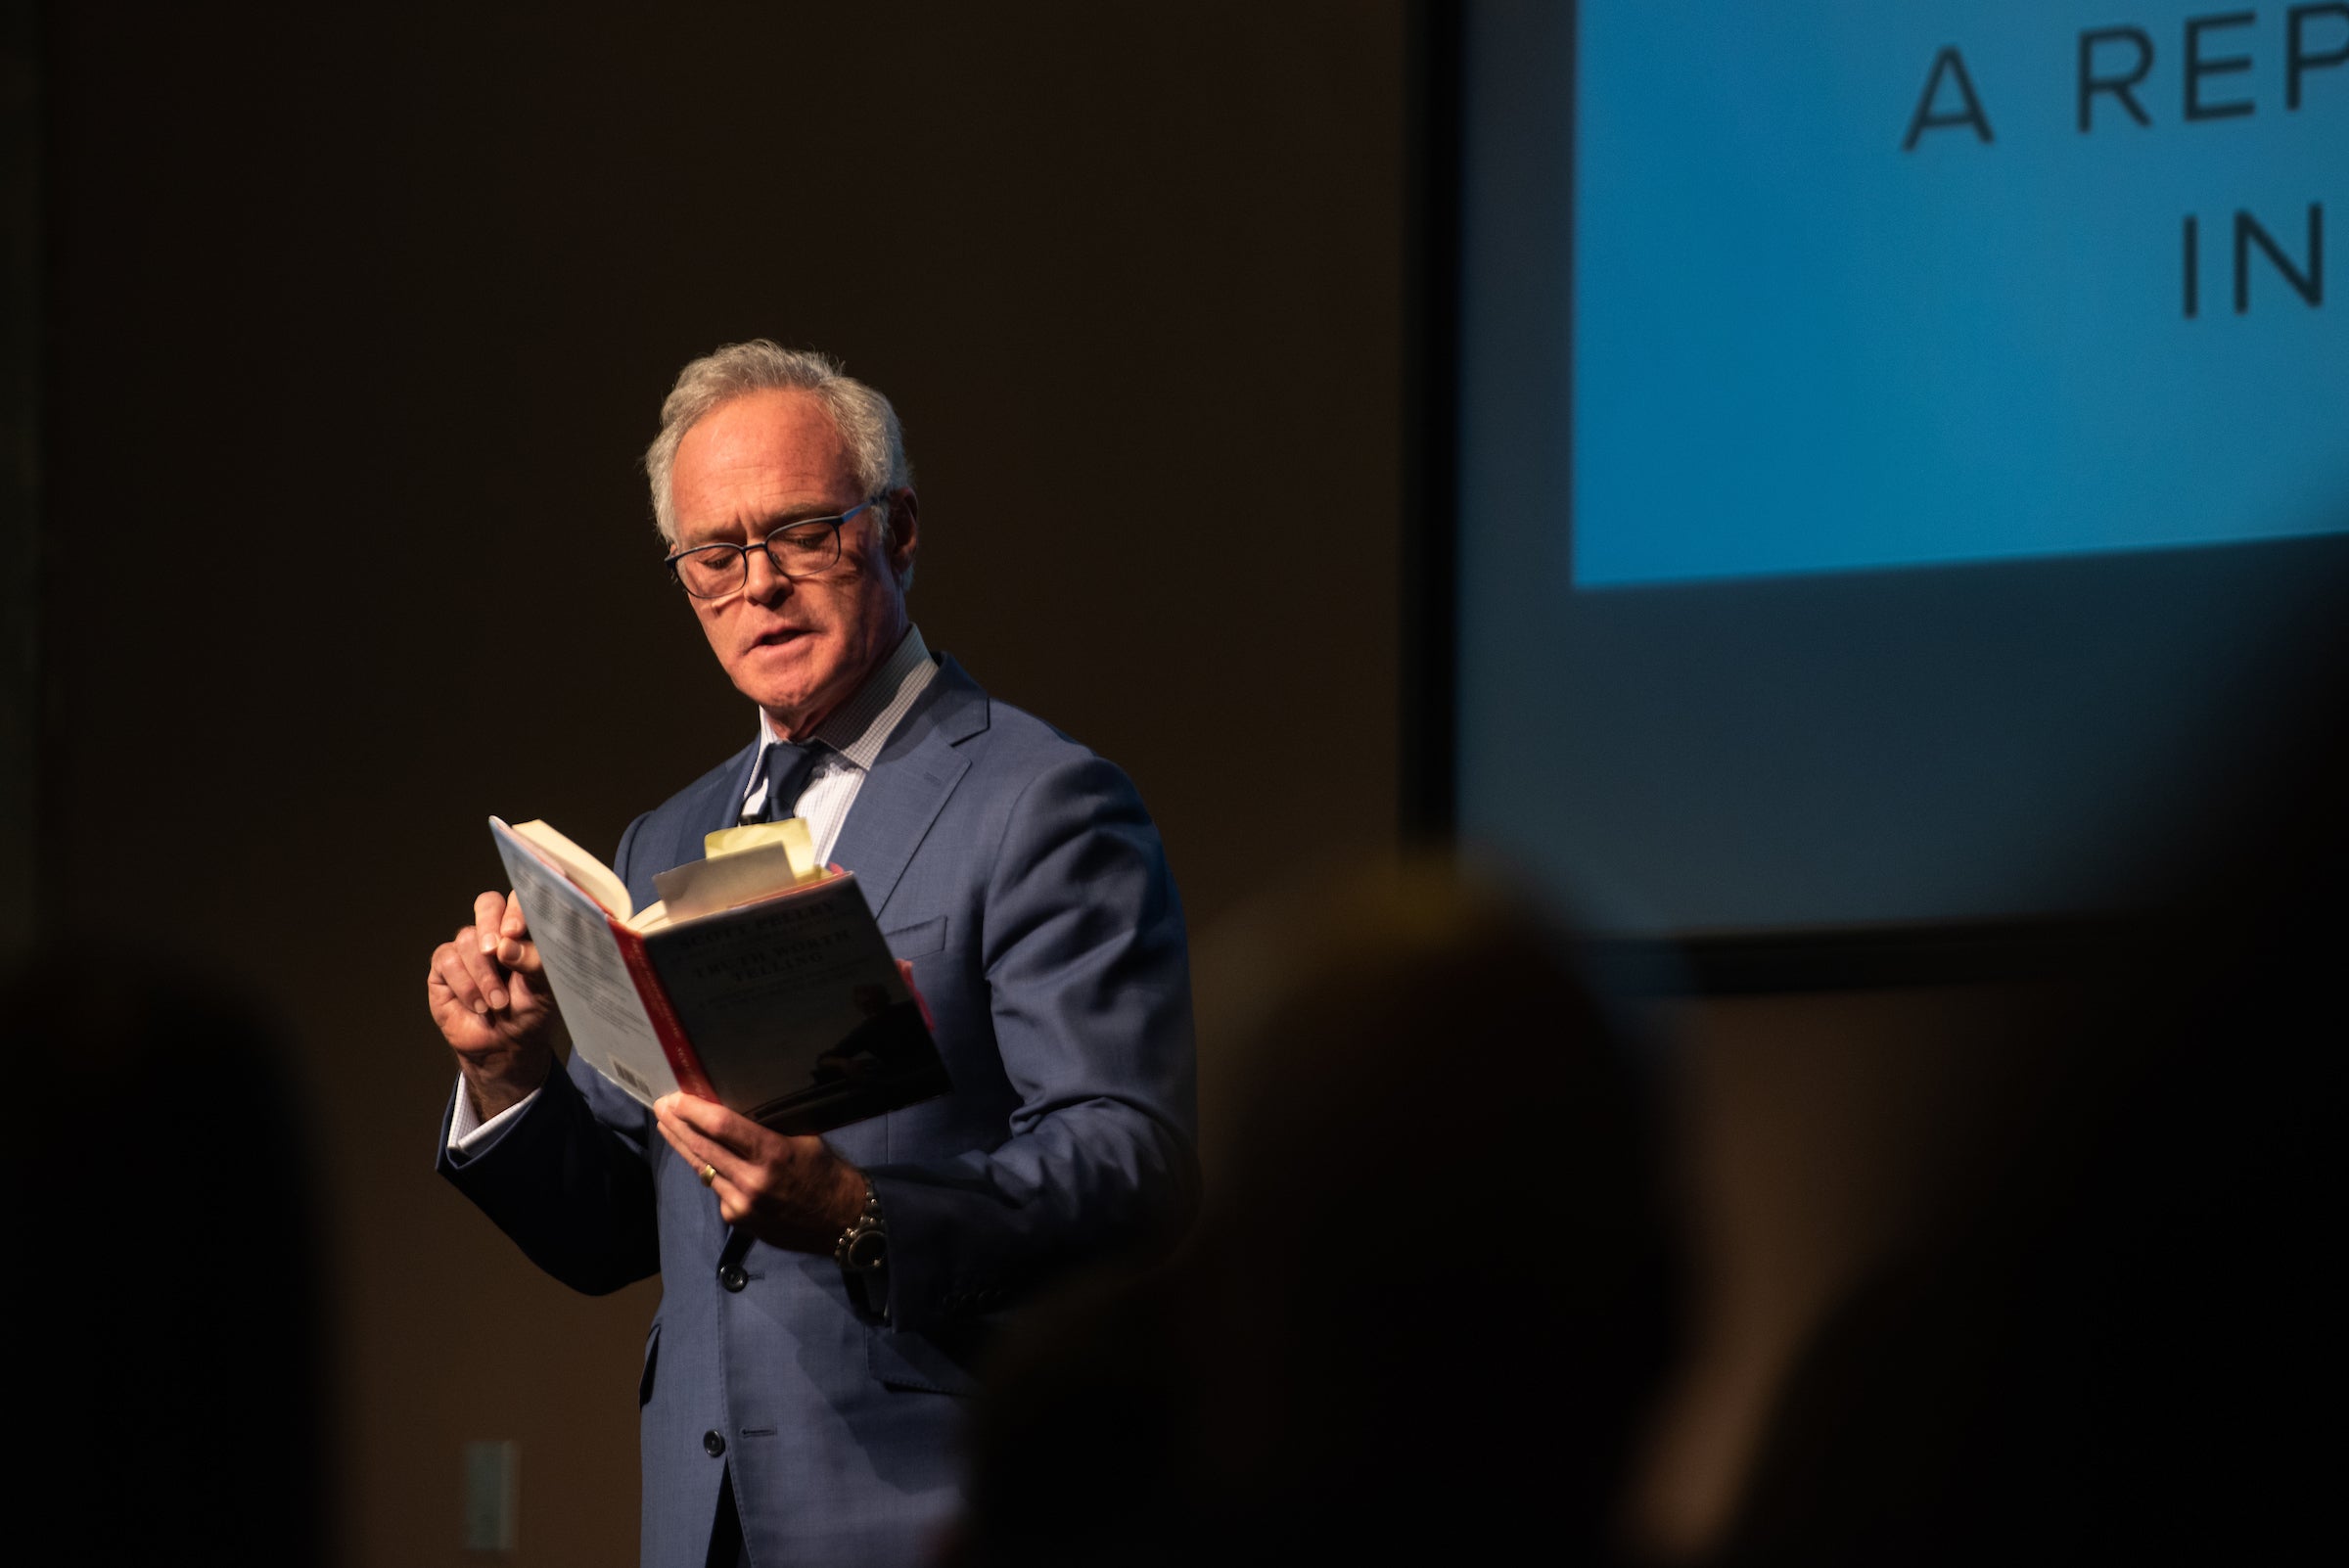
[863, 1247]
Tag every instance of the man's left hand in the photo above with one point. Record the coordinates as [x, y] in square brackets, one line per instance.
[789, 1192]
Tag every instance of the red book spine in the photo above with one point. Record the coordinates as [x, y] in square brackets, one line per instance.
[682, 1061]
[928, 1019]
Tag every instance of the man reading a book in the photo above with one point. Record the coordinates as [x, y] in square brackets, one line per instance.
[823, 1298]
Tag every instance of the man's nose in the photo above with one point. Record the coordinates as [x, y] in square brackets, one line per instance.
[762, 583]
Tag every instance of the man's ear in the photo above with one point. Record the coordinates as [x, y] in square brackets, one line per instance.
[904, 531]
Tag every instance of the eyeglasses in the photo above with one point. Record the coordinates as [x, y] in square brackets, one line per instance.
[796, 550]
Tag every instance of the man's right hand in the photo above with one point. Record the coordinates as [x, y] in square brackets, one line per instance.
[488, 993]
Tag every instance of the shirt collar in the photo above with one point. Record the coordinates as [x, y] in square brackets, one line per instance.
[860, 727]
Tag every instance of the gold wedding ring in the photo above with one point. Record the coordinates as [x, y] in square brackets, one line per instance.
[708, 1174]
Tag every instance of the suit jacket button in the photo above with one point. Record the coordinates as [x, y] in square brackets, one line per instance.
[732, 1277]
[713, 1445]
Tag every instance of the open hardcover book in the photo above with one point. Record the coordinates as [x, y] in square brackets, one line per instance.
[759, 979]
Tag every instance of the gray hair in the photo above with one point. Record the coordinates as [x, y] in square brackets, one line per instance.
[864, 418]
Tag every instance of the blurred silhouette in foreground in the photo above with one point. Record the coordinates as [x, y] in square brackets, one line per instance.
[2117, 1356]
[166, 1286]
[1429, 1298]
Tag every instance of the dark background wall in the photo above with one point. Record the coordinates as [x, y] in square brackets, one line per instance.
[356, 321]
[20, 463]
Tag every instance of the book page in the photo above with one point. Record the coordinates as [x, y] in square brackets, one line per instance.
[720, 882]
[584, 869]
[600, 1006]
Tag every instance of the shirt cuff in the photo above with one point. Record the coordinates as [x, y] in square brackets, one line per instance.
[468, 1134]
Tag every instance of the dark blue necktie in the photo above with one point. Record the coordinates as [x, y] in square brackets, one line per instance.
[786, 765]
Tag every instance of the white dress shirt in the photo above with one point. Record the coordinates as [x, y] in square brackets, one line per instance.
[855, 733]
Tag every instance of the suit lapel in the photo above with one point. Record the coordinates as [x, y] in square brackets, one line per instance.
[721, 805]
[676, 835]
[909, 782]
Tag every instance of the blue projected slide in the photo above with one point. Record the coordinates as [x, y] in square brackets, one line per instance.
[1863, 285]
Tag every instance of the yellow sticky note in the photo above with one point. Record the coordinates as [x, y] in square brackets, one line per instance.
[792, 833]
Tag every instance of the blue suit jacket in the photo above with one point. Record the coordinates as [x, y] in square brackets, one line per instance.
[1020, 875]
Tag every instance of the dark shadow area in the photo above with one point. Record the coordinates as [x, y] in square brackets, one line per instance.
[2120, 1353]
[1429, 1297]
[163, 1233]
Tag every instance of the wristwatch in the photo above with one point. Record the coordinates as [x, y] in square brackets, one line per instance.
[863, 1252]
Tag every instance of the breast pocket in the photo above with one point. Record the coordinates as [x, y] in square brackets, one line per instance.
[913, 941]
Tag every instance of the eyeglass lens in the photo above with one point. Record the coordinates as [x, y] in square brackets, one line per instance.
[800, 551]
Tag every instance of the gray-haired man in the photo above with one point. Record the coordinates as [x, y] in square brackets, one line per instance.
[821, 1296]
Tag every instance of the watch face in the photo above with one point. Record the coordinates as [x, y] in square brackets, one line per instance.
[868, 1249]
